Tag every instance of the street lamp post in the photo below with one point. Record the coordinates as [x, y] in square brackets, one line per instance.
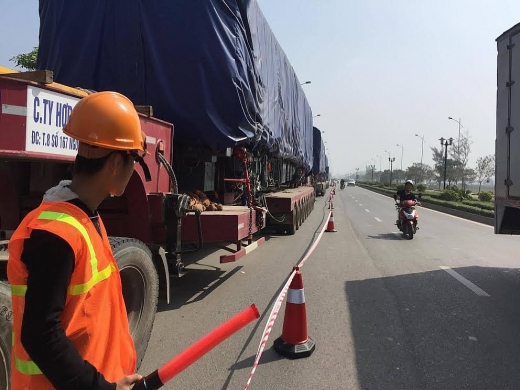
[357, 174]
[372, 167]
[422, 153]
[458, 149]
[460, 125]
[386, 151]
[391, 160]
[446, 143]
[422, 146]
[402, 153]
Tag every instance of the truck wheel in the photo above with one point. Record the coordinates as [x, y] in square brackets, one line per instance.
[140, 283]
[6, 325]
[291, 229]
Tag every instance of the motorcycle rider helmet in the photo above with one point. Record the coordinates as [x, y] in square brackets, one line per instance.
[409, 182]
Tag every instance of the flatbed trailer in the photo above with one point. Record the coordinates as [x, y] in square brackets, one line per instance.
[231, 225]
[289, 208]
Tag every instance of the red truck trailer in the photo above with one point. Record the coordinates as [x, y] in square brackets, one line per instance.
[142, 224]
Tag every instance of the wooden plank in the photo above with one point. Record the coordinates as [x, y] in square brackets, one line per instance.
[38, 76]
[146, 110]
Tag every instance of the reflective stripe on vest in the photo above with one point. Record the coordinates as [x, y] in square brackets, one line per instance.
[97, 276]
[28, 367]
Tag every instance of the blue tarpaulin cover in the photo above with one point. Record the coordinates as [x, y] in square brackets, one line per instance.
[320, 161]
[211, 67]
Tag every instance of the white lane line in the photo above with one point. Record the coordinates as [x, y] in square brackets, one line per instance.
[477, 290]
[377, 219]
[360, 204]
[367, 210]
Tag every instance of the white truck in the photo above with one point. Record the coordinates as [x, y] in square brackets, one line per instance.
[507, 144]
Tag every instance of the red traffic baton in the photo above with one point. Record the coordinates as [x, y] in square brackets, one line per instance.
[159, 377]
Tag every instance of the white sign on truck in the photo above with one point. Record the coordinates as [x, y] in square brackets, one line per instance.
[47, 114]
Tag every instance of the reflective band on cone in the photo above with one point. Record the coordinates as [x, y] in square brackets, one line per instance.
[295, 342]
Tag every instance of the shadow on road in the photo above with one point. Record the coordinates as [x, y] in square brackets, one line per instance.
[429, 331]
[268, 356]
[386, 236]
[195, 286]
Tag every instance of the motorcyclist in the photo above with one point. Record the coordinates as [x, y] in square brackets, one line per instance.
[342, 183]
[405, 194]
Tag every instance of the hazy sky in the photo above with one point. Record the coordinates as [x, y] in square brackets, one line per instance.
[381, 71]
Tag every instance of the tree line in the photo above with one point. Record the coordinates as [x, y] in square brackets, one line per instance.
[458, 172]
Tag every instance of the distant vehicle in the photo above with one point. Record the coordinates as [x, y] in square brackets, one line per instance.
[351, 182]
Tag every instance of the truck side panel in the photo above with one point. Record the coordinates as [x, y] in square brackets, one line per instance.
[507, 146]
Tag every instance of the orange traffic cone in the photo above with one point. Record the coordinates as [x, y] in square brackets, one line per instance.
[295, 342]
[330, 225]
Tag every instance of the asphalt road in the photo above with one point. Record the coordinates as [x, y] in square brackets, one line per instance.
[440, 311]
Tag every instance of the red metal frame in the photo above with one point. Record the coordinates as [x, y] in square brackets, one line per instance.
[241, 153]
[127, 216]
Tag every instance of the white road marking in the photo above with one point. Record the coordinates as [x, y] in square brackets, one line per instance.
[477, 290]
[377, 219]
[360, 204]
[367, 210]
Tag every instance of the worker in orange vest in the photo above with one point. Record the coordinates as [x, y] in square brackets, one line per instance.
[70, 327]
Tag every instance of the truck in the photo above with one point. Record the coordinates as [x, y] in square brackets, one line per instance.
[320, 163]
[217, 72]
[225, 118]
[507, 143]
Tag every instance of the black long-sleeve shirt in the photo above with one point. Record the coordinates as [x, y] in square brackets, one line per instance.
[402, 195]
[50, 262]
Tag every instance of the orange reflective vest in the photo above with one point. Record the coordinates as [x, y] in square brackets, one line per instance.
[94, 317]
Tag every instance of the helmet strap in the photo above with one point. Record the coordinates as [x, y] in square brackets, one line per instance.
[146, 170]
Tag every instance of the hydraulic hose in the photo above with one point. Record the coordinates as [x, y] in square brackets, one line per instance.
[170, 171]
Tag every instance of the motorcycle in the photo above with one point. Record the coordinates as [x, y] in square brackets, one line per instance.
[408, 216]
[342, 186]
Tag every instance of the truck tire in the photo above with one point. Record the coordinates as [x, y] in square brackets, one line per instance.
[140, 283]
[291, 229]
[6, 325]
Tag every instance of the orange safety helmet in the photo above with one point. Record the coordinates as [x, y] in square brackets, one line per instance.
[107, 120]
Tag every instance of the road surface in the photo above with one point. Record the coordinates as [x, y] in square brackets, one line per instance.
[439, 312]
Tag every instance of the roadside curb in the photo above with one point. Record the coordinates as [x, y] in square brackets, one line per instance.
[446, 210]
